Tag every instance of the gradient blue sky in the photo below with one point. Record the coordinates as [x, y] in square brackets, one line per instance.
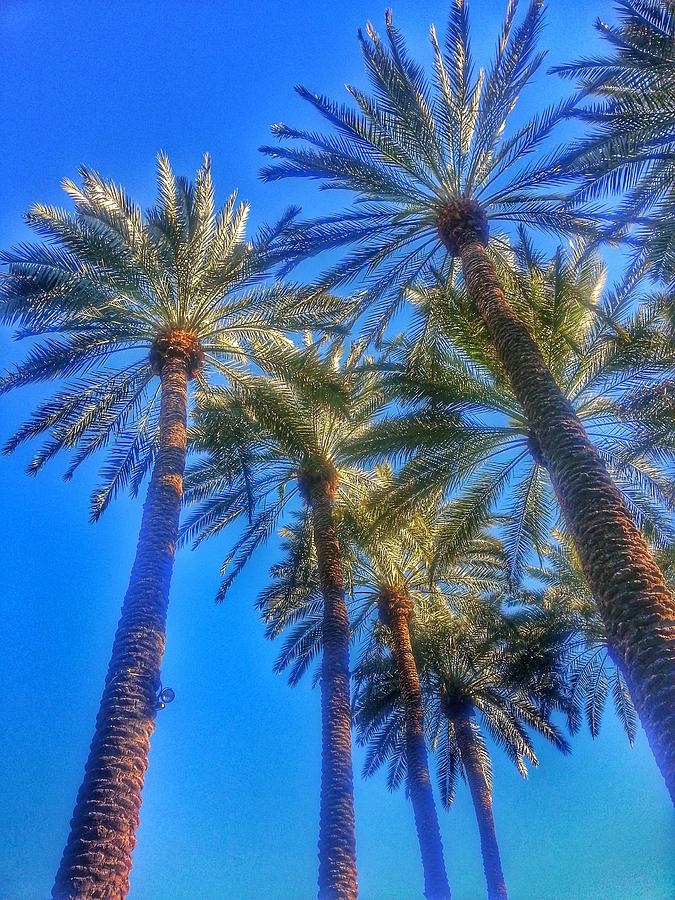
[231, 800]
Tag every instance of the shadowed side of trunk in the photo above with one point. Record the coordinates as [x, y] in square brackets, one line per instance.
[97, 859]
[337, 840]
[396, 612]
[482, 804]
[636, 606]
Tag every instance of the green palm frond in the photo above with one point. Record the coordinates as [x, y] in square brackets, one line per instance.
[590, 672]
[629, 150]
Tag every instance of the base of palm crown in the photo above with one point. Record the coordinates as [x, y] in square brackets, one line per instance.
[174, 343]
[460, 222]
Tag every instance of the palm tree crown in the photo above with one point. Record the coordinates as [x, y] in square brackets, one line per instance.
[425, 160]
[462, 645]
[267, 438]
[109, 282]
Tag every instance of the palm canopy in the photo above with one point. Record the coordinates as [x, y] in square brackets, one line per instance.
[110, 288]
[377, 561]
[473, 660]
[630, 148]
[396, 558]
[265, 435]
[457, 428]
[414, 149]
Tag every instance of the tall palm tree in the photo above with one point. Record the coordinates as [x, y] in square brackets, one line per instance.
[386, 574]
[393, 569]
[268, 441]
[129, 308]
[474, 662]
[630, 149]
[431, 168]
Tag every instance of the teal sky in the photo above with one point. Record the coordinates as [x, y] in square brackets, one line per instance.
[231, 800]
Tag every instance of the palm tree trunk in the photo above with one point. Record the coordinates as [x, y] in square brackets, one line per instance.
[337, 840]
[482, 804]
[636, 606]
[398, 614]
[97, 859]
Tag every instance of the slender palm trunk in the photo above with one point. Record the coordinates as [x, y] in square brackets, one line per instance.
[398, 614]
[636, 606]
[97, 859]
[337, 840]
[482, 804]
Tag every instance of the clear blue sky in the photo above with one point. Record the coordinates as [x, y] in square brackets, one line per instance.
[231, 800]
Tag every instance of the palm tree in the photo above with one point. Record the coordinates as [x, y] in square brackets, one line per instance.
[474, 661]
[268, 440]
[630, 150]
[431, 169]
[386, 573]
[129, 308]
[392, 569]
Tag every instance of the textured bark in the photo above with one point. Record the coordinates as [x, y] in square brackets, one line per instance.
[97, 859]
[337, 840]
[398, 611]
[636, 606]
[482, 804]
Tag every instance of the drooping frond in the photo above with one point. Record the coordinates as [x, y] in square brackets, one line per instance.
[589, 671]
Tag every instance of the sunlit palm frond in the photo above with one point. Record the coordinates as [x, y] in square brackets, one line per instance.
[454, 430]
